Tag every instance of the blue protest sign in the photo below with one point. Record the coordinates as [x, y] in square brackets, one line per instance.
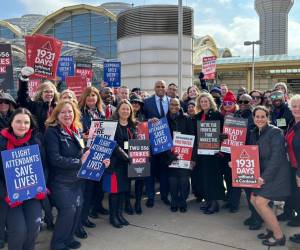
[93, 167]
[112, 73]
[160, 136]
[65, 67]
[23, 171]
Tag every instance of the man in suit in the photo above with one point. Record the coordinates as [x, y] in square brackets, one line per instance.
[107, 94]
[156, 107]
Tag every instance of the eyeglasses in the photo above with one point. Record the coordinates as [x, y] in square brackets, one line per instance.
[228, 103]
[243, 102]
[256, 97]
[276, 96]
[4, 102]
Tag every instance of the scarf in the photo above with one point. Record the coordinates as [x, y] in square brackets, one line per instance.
[71, 130]
[12, 141]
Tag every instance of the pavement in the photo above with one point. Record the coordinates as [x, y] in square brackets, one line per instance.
[159, 229]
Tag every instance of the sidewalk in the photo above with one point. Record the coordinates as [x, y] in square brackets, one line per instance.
[158, 229]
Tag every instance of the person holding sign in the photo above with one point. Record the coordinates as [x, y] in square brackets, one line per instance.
[23, 219]
[206, 177]
[117, 172]
[64, 149]
[274, 172]
[90, 105]
[179, 178]
[44, 100]
[293, 144]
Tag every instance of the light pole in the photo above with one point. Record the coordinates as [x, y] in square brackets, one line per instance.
[249, 43]
[180, 25]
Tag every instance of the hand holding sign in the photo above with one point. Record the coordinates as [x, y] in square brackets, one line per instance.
[85, 156]
[106, 163]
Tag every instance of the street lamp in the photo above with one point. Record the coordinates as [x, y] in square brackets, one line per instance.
[249, 43]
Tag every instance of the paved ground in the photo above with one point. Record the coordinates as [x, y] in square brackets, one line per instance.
[157, 228]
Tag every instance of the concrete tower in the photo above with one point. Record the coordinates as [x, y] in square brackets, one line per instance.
[273, 25]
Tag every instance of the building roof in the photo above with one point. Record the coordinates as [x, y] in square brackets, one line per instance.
[13, 28]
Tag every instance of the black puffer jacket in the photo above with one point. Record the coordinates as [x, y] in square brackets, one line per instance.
[283, 112]
[36, 138]
[63, 155]
[38, 108]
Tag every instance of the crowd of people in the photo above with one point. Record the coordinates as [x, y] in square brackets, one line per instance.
[59, 124]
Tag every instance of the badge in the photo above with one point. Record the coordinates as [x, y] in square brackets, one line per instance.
[126, 145]
[281, 122]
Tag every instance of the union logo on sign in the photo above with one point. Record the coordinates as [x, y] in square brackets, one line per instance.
[47, 46]
[244, 155]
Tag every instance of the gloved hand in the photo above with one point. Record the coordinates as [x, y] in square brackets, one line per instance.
[12, 204]
[26, 72]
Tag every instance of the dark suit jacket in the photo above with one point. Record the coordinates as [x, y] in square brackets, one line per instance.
[150, 108]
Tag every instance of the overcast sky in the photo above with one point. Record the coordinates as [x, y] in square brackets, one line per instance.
[230, 22]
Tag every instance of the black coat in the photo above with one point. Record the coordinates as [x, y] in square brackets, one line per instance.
[119, 160]
[274, 166]
[86, 119]
[283, 112]
[63, 155]
[4, 120]
[207, 179]
[36, 138]
[38, 108]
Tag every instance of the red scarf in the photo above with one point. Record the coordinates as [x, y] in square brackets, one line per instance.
[71, 130]
[12, 141]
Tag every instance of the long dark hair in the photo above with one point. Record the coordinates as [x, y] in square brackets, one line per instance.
[24, 111]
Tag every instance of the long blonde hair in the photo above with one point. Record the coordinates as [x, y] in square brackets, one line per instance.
[212, 103]
[38, 95]
[74, 98]
[53, 119]
[86, 93]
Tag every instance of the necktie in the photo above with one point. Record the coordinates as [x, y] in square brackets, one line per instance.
[162, 112]
[107, 112]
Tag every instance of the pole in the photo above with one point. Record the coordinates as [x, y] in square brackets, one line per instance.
[253, 73]
[180, 46]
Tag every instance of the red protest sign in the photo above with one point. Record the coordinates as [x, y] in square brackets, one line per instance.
[209, 65]
[33, 84]
[183, 148]
[245, 166]
[236, 130]
[84, 70]
[77, 84]
[142, 131]
[42, 54]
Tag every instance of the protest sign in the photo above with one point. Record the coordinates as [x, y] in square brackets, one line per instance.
[33, 85]
[23, 171]
[112, 73]
[76, 83]
[6, 68]
[208, 137]
[142, 131]
[65, 67]
[85, 70]
[236, 130]
[160, 136]
[106, 129]
[209, 66]
[245, 166]
[42, 54]
[139, 153]
[183, 147]
[93, 167]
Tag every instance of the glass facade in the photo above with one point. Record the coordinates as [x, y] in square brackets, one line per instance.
[90, 29]
[7, 33]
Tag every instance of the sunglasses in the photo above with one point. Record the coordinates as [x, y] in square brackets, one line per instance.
[4, 102]
[228, 103]
[243, 102]
[256, 97]
[276, 96]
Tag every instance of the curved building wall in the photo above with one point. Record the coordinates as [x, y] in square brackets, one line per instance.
[148, 45]
[7, 33]
[89, 29]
